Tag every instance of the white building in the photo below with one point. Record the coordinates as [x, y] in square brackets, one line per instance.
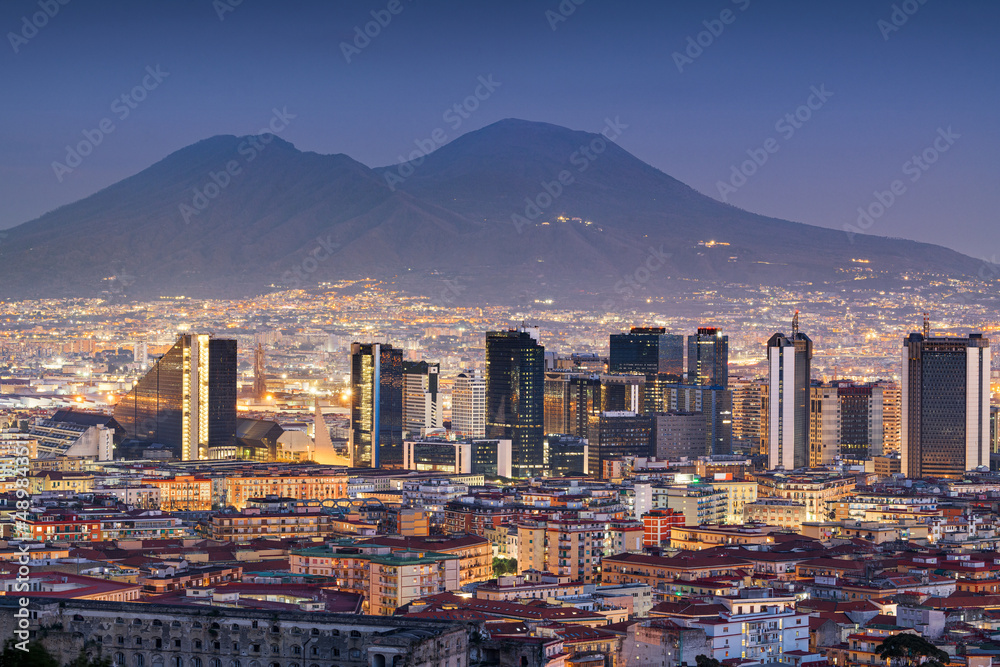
[756, 626]
[421, 400]
[789, 359]
[468, 404]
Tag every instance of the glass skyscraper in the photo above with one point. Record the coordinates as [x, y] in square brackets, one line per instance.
[708, 357]
[187, 400]
[515, 389]
[647, 351]
[946, 405]
[376, 436]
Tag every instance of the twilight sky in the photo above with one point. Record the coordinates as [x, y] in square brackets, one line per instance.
[894, 92]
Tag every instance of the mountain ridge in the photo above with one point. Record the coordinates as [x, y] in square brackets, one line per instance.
[234, 216]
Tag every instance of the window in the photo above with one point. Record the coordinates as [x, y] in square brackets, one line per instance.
[177, 643]
[297, 650]
[195, 662]
[196, 624]
[253, 625]
[157, 622]
[197, 644]
[119, 660]
[255, 648]
[177, 661]
[355, 633]
[138, 641]
[121, 641]
[236, 628]
[314, 632]
[139, 660]
[274, 649]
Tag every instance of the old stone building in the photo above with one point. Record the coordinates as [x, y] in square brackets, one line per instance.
[150, 635]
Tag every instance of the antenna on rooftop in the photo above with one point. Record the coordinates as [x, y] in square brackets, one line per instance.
[795, 325]
[927, 326]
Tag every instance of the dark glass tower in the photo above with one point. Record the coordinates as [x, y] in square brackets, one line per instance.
[708, 357]
[187, 400]
[376, 437]
[570, 400]
[946, 405]
[647, 351]
[515, 388]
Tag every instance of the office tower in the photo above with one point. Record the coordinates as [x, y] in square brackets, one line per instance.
[421, 399]
[623, 393]
[515, 388]
[647, 351]
[708, 358]
[994, 432]
[749, 416]
[680, 434]
[376, 436]
[892, 416]
[259, 375]
[565, 455]
[140, 354]
[714, 403]
[617, 434]
[570, 400]
[824, 424]
[789, 359]
[468, 404]
[946, 405]
[187, 400]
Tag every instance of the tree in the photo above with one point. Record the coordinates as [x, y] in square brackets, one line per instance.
[36, 656]
[906, 649]
[502, 566]
[84, 660]
[705, 661]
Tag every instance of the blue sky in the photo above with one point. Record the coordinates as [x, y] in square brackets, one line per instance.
[891, 89]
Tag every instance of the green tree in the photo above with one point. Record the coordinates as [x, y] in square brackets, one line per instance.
[705, 661]
[36, 656]
[908, 650]
[502, 566]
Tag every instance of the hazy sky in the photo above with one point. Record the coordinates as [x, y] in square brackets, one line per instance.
[894, 85]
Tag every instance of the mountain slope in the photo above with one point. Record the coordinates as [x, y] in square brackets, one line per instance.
[479, 210]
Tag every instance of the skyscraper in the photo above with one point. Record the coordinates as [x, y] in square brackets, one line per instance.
[789, 359]
[616, 434]
[468, 404]
[515, 384]
[708, 357]
[749, 416]
[945, 428]
[376, 437]
[647, 351]
[187, 400]
[421, 399]
[570, 400]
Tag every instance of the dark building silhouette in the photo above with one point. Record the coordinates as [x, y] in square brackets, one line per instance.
[647, 351]
[946, 405]
[708, 357]
[376, 436]
[617, 434]
[187, 400]
[515, 391]
[570, 400]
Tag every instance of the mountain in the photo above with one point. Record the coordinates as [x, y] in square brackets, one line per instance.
[517, 209]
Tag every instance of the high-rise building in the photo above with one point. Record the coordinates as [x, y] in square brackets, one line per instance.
[647, 351]
[376, 436]
[789, 359]
[679, 434]
[824, 424]
[617, 434]
[849, 420]
[892, 416]
[708, 357]
[570, 400]
[421, 399]
[713, 403]
[468, 404]
[187, 400]
[749, 416]
[946, 405]
[515, 388]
